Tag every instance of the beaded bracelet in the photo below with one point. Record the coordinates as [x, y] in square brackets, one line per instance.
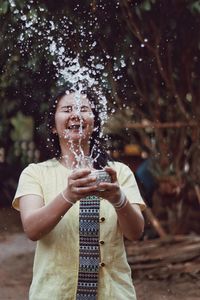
[66, 198]
[121, 203]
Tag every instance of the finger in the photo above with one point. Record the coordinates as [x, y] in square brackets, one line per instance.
[79, 173]
[86, 191]
[108, 186]
[86, 181]
[112, 173]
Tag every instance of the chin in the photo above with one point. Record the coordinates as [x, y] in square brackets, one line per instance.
[76, 138]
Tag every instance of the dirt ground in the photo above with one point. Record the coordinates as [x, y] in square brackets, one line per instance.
[16, 258]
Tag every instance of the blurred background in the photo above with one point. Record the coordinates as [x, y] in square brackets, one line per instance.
[150, 55]
[145, 56]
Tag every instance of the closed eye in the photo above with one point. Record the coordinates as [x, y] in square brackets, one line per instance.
[85, 109]
[70, 108]
[67, 109]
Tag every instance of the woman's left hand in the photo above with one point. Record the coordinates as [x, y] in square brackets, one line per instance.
[110, 190]
[130, 217]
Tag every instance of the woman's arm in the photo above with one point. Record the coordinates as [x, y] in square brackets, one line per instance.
[130, 218]
[131, 221]
[39, 219]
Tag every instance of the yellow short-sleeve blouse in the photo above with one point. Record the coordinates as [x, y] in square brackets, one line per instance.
[55, 271]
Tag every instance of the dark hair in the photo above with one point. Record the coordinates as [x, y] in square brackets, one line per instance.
[97, 143]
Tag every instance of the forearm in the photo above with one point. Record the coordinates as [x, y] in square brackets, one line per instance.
[131, 221]
[39, 219]
[42, 220]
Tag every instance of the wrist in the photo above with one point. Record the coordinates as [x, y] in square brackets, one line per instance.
[66, 198]
[121, 203]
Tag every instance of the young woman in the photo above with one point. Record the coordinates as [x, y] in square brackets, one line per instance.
[78, 221]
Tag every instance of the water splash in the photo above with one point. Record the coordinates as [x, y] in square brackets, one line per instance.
[62, 43]
[53, 38]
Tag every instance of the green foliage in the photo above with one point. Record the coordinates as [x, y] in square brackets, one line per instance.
[23, 128]
[147, 5]
[195, 6]
[149, 49]
[3, 7]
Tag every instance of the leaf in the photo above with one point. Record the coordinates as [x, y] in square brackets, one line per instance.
[23, 128]
[3, 8]
[146, 5]
[195, 7]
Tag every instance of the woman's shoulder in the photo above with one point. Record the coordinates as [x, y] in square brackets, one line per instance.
[39, 166]
[122, 170]
[118, 166]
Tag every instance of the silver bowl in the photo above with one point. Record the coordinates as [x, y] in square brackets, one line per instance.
[101, 176]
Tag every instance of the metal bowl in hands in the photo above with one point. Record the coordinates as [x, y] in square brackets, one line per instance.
[101, 176]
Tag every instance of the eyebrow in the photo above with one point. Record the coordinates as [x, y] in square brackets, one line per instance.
[69, 106]
[66, 106]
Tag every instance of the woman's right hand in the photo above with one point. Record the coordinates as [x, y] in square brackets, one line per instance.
[39, 218]
[80, 185]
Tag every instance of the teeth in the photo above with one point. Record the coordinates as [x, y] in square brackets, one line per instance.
[74, 127]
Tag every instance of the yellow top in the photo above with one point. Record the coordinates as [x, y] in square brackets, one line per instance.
[55, 271]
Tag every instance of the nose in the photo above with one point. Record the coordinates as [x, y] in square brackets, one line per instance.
[76, 114]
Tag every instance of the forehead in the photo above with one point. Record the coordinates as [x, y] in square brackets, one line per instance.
[74, 99]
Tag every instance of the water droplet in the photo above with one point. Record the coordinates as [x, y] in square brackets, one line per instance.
[23, 18]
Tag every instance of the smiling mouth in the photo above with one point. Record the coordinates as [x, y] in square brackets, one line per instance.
[76, 127]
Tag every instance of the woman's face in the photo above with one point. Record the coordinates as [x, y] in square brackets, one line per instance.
[74, 120]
